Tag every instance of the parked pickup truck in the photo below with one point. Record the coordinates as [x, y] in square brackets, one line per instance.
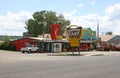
[29, 49]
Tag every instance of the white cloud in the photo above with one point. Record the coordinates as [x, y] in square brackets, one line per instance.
[113, 12]
[109, 22]
[89, 20]
[73, 12]
[70, 15]
[13, 23]
[93, 3]
[81, 4]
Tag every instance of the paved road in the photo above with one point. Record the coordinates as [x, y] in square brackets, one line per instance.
[42, 66]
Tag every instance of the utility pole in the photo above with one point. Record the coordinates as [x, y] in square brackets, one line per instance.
[98, 30]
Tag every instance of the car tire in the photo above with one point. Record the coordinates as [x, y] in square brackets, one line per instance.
[30, 51]
[23, 52]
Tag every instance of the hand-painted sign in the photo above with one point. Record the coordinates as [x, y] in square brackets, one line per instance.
[73, 35]
[55, 31]
[74, 32]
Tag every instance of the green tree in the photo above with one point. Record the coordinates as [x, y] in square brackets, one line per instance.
[42, 20]
[6, 41]
[63, 22]
[50, 18]
[33, 27]
[109, 33]
[6, 44]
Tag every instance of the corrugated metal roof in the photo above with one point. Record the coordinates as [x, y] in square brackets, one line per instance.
[36, 38]
[48, 40]
[115, 39]
[106, 37]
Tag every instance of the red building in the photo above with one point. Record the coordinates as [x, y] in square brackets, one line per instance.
[44, 45]
[23, 43]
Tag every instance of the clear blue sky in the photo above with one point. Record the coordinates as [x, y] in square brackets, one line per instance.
[82, 7]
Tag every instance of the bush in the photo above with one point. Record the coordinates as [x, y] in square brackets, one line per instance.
[6, 44]
[8, 47]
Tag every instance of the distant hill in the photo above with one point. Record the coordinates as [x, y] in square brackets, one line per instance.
[11, 37]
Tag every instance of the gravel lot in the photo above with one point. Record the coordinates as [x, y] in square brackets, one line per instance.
[9, 56]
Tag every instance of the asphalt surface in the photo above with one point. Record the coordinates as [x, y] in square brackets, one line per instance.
[38, 65]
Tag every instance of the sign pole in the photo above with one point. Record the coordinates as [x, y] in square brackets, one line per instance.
[72, 50]
[79, 48]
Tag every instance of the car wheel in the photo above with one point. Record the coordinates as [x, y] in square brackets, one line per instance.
[30, 51]
[23, 52]
[37, 50]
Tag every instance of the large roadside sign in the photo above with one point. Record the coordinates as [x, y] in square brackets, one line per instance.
[73, 35]
[55, 31]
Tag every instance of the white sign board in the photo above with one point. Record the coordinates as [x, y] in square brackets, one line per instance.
[57, 47]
